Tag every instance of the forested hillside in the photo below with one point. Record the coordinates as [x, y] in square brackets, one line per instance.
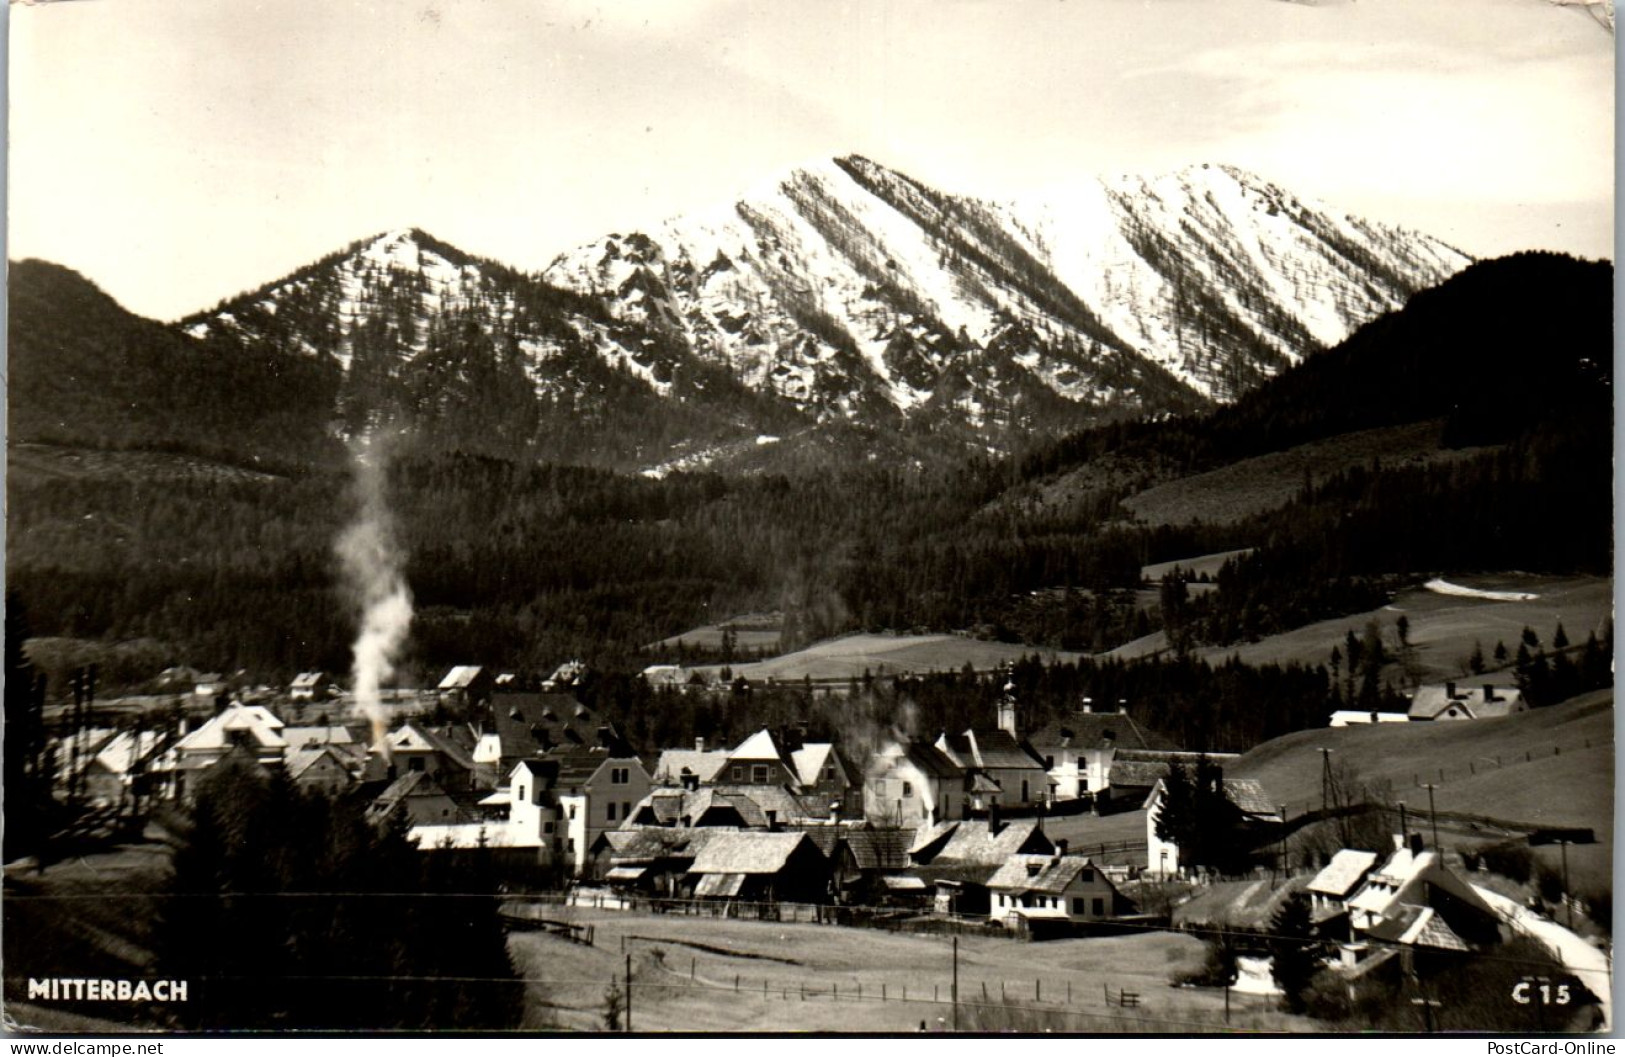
[521, 565]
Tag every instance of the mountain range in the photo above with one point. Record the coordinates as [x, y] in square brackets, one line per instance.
[848, 309]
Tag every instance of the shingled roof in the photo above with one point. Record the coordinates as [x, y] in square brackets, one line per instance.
[1346, 870]
[747, 852]
[1098, 730]
[1054, 873]
[989, 749]
[972, 841]
[530, 724]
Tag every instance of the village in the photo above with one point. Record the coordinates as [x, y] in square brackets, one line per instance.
[1075, 829]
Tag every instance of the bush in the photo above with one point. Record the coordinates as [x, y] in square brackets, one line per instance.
[1219, 970]
[1513, 861]
[1550, 884]
[1599, 904]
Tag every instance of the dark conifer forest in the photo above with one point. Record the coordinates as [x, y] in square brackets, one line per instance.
[220, 553]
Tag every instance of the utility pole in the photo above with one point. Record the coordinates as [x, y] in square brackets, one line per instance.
[1433, 819]
[1325, 780]
[1283, 840]
[629, 993]
[1568, 900]
[956, 977]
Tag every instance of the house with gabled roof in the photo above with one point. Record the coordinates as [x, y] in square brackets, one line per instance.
[420, 800]
[1031, 891]
[823, 771]
[1436, 703]
[989, 841]
[1414, 899]
[120, 771]
[752, 865]
[758, 760]
[912, 783]
[1135, 772]
[1010, 773]
[307, 686]
[415, 746]
[526, 725]
[690, 768]
[1259, 817]
[252, 732]
[648, 859]
[1078, 749]
[1331, 888]
[326, 768]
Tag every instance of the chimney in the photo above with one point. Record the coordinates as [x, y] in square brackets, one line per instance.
[1416, 843]
[772, 821]
[1060, 848]
[1450, 690]
[1088, 706]
[699, 744]
[994, 826]
[1489, 692]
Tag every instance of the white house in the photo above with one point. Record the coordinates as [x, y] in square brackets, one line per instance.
[910, 783]
[1352, 717]
[1450, 702]
[1333, 886]
[1030, 889]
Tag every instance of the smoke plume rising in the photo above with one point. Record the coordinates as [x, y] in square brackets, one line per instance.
[371, 564]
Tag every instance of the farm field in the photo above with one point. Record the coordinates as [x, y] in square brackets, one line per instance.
[1443, 628]
[686, 970]
[1252, 486]
[1547, 775]
[1195, 566]
[1573, 787]
[849, 656]
[752, 632]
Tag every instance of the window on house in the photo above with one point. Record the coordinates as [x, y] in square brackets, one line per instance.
[1087, 876]
[572, 811]
[1049, 763]
[620, 775]
[758, 773]
[547, 827]
[626, 809]
[415, 764]
[1100, 907]
[829, 774]
[738, 774]
[521, 792]
[612, 811]
[1079, 904]
[908, 789]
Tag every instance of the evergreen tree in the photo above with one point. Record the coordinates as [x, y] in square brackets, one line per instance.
[29, 764]
[291, 910]
[1295, 955]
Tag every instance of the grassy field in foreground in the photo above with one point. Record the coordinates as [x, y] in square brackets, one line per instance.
[851, 655]
[685, 971]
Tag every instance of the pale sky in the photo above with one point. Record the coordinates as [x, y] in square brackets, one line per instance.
[180, 151]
